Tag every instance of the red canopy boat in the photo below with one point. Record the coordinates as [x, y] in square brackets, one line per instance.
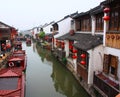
[18, 59]
[12, 82]
[18, 45]
[28, 41]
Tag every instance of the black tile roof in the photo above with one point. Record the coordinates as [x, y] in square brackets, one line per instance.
[85, 41]
[96, 10]
[81, 14]
[51, 34]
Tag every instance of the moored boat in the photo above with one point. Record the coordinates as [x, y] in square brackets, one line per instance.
[12, 82]
[18, 45]
[28, 41]
[18, 59]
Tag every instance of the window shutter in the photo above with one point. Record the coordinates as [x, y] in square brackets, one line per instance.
[114, 63]
[106, 63]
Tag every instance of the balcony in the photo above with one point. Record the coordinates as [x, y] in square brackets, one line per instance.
[105, 85]
[113, 40]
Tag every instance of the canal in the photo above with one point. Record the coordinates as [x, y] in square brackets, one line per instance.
[46, 77]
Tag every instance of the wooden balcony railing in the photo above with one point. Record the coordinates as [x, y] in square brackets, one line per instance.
[113, 40]
[107, 86]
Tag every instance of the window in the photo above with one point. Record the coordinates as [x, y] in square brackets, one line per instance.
[51, 29]
[83, 24]
[99, 22]
[55, 27]
[72, 24]
[114, 24]
[86, 24]
[78, 25]
[112, 70]
[110, 65]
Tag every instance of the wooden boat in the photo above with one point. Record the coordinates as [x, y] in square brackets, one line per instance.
[19, 53]
[18, 59]
[18, 45]
[28, 41]
[12, 82]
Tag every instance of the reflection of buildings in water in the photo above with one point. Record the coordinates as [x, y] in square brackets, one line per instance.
[34, 46]
[44, 54]
[62, 83]
[65, 83]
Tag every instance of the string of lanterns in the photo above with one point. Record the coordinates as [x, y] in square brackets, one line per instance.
[106, 11]
[83, 59]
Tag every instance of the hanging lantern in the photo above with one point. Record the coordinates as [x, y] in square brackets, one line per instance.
[56, 40]
[74, 51]
[74, 57]
[62, 43]
[106, 10]
[82, 55]
[106, 18]
[70, 47]
[82, 62]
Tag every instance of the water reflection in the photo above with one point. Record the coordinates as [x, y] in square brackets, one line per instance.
[34, 46]
[63, 81]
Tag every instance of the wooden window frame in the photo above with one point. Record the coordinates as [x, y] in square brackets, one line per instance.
[85, 24]
[110, 61]
[99, 23]
[114, 23]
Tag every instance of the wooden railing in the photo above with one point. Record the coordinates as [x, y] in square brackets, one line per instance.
[113, 40]
[108, 89]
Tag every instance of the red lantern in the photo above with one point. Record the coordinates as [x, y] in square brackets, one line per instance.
[71, 47]
[56, 40]
[74, 57]
[74, 51]
[83, 55]
[106, 10]
[82, 62]
[62, 43]
[106, 18]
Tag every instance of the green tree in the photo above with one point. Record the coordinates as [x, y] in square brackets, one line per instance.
[41, 34]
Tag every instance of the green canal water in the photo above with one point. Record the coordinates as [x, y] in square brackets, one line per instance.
[46, 77]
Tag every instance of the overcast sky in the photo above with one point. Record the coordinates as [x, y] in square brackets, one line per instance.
[26, 14]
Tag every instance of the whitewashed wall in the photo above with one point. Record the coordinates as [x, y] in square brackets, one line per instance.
[95, 62]
[64, 27]
[35, 32]
[47, 29]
